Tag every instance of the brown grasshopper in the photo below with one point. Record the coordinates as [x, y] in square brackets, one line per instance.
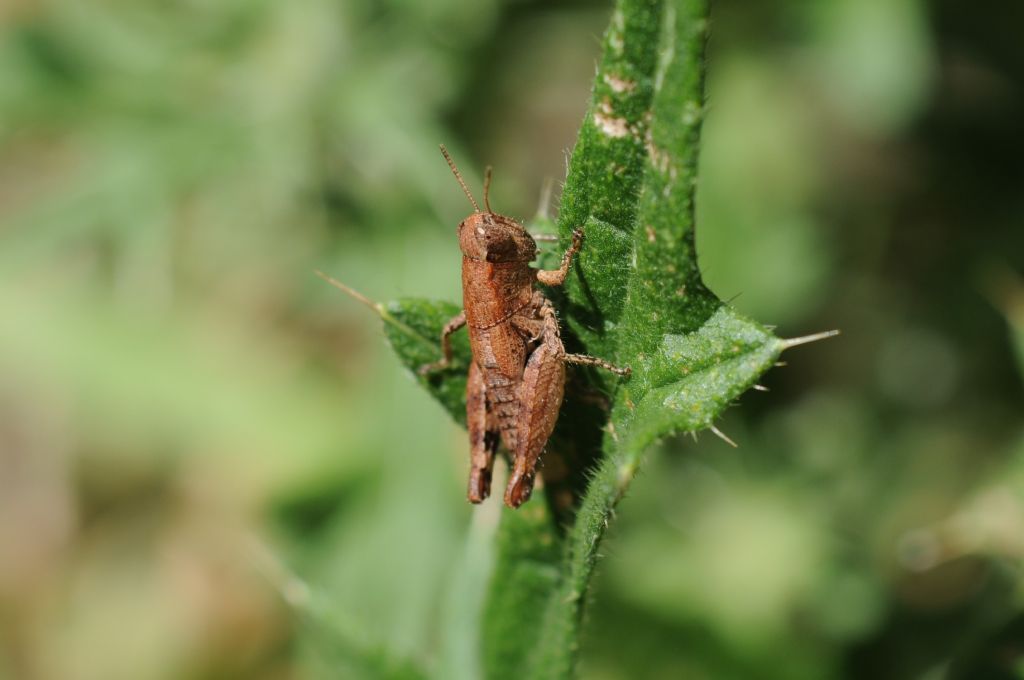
[517, 375]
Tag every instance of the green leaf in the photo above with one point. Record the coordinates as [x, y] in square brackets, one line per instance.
[526, 573]
[694, 377]
[335, 645]
[607, 170]
[636, 297]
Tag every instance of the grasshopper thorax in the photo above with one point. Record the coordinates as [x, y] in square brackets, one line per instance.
[491, 237]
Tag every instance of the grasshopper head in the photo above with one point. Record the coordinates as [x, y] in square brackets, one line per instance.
[495, 238]
[486, 235]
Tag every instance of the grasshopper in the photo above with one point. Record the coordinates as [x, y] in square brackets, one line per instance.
[517, 375]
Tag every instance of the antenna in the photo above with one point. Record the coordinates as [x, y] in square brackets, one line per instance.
[458, 176]
[487, 188]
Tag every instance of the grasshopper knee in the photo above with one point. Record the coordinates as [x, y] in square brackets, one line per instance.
[519, 489]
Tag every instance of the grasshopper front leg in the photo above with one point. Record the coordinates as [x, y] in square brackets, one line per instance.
[454, 324]
[556, 277]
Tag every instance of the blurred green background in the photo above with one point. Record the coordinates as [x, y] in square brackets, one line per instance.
[197, 434]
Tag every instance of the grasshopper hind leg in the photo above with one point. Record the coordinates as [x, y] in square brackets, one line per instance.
[540, 397]
[483, 436]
